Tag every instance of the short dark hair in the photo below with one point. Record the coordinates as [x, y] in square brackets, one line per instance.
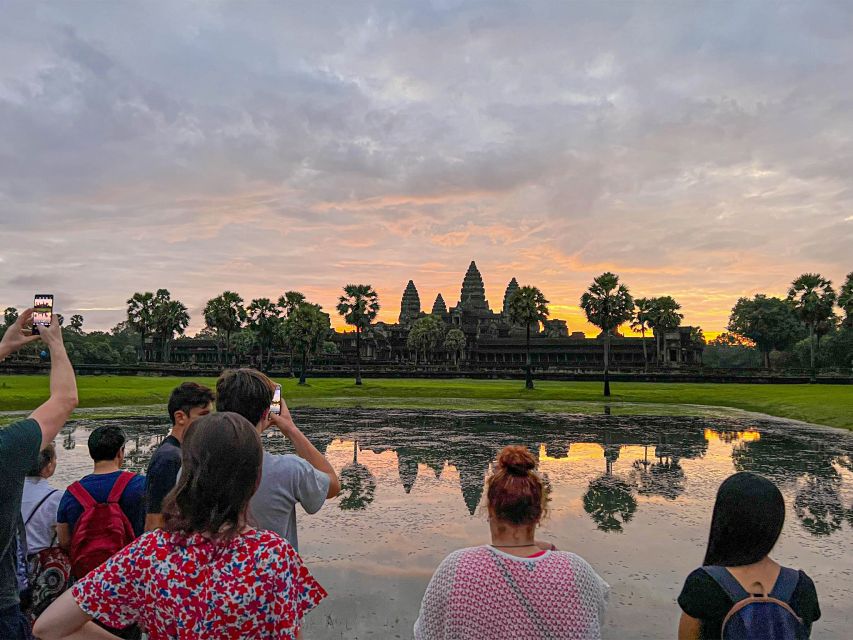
[46, 456]
[245, 391]
[221, 460]
[105, 442]
[187, 396]
[748, 517]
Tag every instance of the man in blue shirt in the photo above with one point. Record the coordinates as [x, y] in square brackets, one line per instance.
[188, 402]
[20, 444]
[106, 447]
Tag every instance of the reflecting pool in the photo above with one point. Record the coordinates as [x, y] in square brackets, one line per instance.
[631, 494]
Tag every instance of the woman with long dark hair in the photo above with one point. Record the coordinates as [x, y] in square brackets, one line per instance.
[207, 574]
[513, 588]
[748, 517]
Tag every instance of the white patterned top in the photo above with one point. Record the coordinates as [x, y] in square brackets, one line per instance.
[482, 593]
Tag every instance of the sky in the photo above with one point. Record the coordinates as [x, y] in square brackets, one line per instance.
[699, 150]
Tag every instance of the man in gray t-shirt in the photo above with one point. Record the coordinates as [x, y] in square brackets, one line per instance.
[286, 480]
[307, 477]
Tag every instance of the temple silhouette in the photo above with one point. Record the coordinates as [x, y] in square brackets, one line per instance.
[492, 341]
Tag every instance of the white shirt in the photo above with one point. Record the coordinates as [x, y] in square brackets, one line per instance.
[42, 523]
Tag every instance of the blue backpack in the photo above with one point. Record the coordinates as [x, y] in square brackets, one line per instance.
[759, 617]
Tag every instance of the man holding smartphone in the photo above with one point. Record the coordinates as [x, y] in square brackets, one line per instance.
[20, 444]
[307, 477]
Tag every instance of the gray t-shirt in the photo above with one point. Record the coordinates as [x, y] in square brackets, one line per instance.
[286, 480]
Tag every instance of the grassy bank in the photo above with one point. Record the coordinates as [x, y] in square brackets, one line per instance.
[830, 405]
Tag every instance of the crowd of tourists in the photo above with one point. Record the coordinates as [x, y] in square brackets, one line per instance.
[205, 544]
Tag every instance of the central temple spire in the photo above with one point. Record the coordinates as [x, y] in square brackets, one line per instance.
[410, 305]
[473, 295]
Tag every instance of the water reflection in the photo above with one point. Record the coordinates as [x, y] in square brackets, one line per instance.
[358, 484]
[812, 465]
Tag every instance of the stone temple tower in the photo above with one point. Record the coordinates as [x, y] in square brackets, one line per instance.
[511, 288]
[473, 296]
[410, 305]
[439, 308]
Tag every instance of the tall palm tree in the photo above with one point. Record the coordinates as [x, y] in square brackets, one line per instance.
[263, 319]
[359, 306]
[527, 306]
[607, 304]
[225, 314]
[306, 328]
[813, 298]
[641, 323]
[168, 318]
[845, 300]
[77, 323]
[140, 311]
[288, 303]
[663, 316]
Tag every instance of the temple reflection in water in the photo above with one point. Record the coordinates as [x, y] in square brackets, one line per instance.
[630, 458]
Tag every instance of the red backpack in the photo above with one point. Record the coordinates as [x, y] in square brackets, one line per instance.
[102, 530]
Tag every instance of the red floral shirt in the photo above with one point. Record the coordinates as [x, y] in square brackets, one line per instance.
[175, 586]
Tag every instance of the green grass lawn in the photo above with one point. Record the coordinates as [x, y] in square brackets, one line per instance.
[830, 405]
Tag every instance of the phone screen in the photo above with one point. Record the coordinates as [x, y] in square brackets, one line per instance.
[275, 407]
[43, 308]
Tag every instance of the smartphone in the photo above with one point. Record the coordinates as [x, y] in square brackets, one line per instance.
[275, 407]
[42, 310]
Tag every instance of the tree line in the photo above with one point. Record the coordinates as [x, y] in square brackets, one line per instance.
[802, 326]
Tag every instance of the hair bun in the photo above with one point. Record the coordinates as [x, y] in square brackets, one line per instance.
[516, 460]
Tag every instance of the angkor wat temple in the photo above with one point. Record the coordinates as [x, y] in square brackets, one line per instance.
[493, 342]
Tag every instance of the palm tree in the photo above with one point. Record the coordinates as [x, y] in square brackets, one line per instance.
[263, 320]
[140, 311]
[813, 298]
[663, 316]
[607, 305]
[845, 300]
[641, 323]
[454, 342]
[359, 306]
[225, 314]
[306, 329]
[77, 323]
[288, 303]
[527, 306]
[168, 318]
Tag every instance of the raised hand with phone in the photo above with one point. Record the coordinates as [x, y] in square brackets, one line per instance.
[17, 335]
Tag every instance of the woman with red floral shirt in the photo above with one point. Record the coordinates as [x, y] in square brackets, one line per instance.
[207, 574]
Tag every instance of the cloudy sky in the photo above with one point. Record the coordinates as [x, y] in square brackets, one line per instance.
[702, 150]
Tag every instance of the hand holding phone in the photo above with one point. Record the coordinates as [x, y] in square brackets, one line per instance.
[42, 311]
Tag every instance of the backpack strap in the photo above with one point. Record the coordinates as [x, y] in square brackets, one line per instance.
[119, 486]
[38, 506]
[727, 582]
[83, 497]
[785, 585]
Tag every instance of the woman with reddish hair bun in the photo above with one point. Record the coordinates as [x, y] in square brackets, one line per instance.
[514, 587]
